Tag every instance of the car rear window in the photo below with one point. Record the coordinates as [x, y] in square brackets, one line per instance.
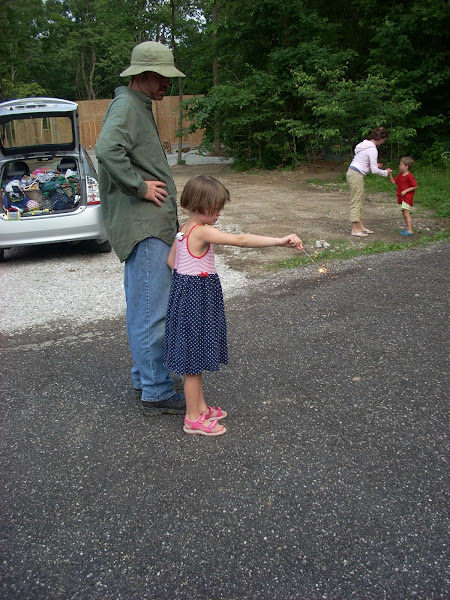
[36, 133]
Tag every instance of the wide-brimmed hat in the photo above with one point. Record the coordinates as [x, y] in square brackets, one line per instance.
[152, 56]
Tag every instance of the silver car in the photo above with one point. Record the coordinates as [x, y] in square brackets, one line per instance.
[49, 190]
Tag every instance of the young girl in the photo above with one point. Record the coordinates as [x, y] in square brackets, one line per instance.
[196, 338]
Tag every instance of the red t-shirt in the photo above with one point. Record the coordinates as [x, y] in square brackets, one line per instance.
[403, 183]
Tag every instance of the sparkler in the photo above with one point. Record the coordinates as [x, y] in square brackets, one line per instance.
[309, 256]
[321, 269]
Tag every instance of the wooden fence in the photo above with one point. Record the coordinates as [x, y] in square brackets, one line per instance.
[91, 113]
[38, 132]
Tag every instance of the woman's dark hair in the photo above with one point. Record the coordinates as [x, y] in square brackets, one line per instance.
[379, 133]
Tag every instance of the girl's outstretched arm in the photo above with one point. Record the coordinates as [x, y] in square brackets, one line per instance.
[211, 235]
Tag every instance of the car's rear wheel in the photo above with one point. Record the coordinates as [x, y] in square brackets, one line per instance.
[2, 255]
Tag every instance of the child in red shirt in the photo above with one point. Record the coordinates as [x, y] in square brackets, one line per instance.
[406, 186]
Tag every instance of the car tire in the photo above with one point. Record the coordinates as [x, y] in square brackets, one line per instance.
[2, 255]
[103, 247]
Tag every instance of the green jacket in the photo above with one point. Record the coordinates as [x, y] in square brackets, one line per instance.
[129, 152]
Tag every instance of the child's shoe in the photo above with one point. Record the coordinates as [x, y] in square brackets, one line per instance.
[215, 412]
[405, 232]
[202, 427]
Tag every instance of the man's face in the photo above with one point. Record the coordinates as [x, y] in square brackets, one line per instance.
[154, 85]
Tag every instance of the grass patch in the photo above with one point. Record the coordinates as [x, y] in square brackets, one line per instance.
[342, 249]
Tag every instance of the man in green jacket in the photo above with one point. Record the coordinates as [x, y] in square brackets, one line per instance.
[139, 205]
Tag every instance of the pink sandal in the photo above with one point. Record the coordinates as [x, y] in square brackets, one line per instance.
[199, 428]
[220, 414]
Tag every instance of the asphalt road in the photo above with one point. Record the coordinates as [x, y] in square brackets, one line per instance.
[331, 482]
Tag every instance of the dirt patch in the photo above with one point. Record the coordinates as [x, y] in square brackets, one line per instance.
[278, 203]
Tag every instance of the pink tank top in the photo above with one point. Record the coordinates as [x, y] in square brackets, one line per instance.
[188, 264]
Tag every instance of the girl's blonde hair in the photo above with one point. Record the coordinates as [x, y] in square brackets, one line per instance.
[204, 194]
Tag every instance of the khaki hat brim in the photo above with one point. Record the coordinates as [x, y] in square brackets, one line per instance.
[164, 70]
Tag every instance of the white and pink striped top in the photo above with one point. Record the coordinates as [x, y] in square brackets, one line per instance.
[188, 264]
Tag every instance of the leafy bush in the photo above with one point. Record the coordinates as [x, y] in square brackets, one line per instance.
[438, 155]
[339, 111]
[246, 113]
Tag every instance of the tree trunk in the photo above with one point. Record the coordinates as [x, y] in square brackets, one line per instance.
[180, 120]
[91, 75]
[180, 85]
[215, 17]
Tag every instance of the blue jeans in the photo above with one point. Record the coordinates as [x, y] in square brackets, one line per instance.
[147, 280]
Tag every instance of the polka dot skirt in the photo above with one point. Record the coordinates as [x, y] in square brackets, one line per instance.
[196, 331]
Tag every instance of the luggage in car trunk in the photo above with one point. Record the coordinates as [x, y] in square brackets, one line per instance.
[39, 138]
[31, 191]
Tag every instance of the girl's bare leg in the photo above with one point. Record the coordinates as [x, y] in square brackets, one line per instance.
[195, 400]
[192, 391]
[201, 403]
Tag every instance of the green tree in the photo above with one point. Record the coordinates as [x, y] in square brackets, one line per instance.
[78, 48]
[246, 117]
[370, 46]
[88, 43]
[411, 46]
[339, 112]
[279, 78]
[22, 23]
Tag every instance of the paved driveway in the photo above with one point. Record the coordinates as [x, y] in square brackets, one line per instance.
[331, 482]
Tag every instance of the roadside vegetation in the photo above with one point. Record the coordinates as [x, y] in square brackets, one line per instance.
[343, 249]
[275, 84]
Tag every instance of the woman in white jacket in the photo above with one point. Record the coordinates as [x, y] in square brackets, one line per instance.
[364, 162]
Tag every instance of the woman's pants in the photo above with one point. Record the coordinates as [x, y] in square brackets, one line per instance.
[356, 183]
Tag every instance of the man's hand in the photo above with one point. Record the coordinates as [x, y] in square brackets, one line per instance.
[156, 192]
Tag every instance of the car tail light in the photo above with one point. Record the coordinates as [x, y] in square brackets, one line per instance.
[93, 193]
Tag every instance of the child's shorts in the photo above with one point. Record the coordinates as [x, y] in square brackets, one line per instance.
[405, 206]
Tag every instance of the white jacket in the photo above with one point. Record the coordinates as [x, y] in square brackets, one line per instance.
[366, 159]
